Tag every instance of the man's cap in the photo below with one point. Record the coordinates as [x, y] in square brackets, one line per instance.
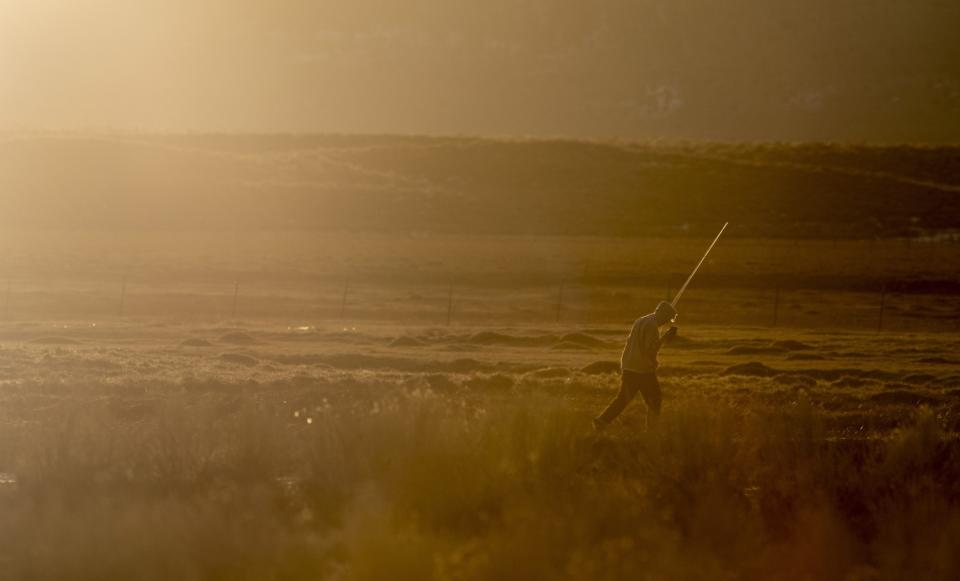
[666, 311]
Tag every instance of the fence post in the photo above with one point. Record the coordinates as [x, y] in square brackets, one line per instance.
[343, 301]
[776, 304]
[449, 304]
[883, 303]
[236, 294]
[123, 294]
[560, 300]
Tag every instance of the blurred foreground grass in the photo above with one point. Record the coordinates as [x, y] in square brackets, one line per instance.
[409, 482]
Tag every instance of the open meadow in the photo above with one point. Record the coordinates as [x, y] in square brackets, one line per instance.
[316, 290]
[284, 429]
[281, 357]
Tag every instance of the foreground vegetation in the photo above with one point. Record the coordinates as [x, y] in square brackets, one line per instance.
[158, 450]
[420, 479]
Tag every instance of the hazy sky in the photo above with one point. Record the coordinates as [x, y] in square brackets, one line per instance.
[731, 69]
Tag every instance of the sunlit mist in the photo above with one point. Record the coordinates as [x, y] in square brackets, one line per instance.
[744, 69]
[479, 290]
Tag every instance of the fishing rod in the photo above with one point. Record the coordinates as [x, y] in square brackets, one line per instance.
[676, 298]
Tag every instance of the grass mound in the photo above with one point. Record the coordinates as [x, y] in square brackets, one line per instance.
[461, 348]
[583, 339]
[938, 361]
[494, 338]
[948, 381]
[54, 341]
[751, 369]
[490, 382]
[568, 346]
[683, 342]
[464, 365]
[363, 361]
[853, 382]
[903, 397]
[440, 382]
[550, 373]
[832, 374]
[753, 350]
[238, 359]
[918, 378]
[298, 359]
[805, 357]
[601, 367]
[406, 341]
[791, 345]
[795, 380]
[237, 338]
[608, 332]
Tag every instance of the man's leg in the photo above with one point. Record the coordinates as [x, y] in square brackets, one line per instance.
[650, 389]
[628, 389]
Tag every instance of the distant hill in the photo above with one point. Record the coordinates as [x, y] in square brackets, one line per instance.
[462, 185]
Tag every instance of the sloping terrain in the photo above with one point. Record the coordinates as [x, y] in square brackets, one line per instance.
[476, 186]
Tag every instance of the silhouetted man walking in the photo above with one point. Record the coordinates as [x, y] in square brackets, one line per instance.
[638, 366]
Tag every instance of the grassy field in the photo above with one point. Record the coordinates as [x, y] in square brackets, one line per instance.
[151, 449]
[300, 278]
[348, 358]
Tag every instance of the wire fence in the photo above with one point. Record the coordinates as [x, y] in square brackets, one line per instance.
[467, 303]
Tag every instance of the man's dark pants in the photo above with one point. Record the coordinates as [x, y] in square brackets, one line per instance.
[630, 383]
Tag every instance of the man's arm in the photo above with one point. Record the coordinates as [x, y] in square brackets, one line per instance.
[655, 341]
[669, 335]
[651, 339]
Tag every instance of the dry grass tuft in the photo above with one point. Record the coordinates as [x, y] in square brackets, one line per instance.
[415, 483]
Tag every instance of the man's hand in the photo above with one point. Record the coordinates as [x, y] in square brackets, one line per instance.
[670, 334]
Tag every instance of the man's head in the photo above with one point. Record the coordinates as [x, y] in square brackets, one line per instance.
[665, 313]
